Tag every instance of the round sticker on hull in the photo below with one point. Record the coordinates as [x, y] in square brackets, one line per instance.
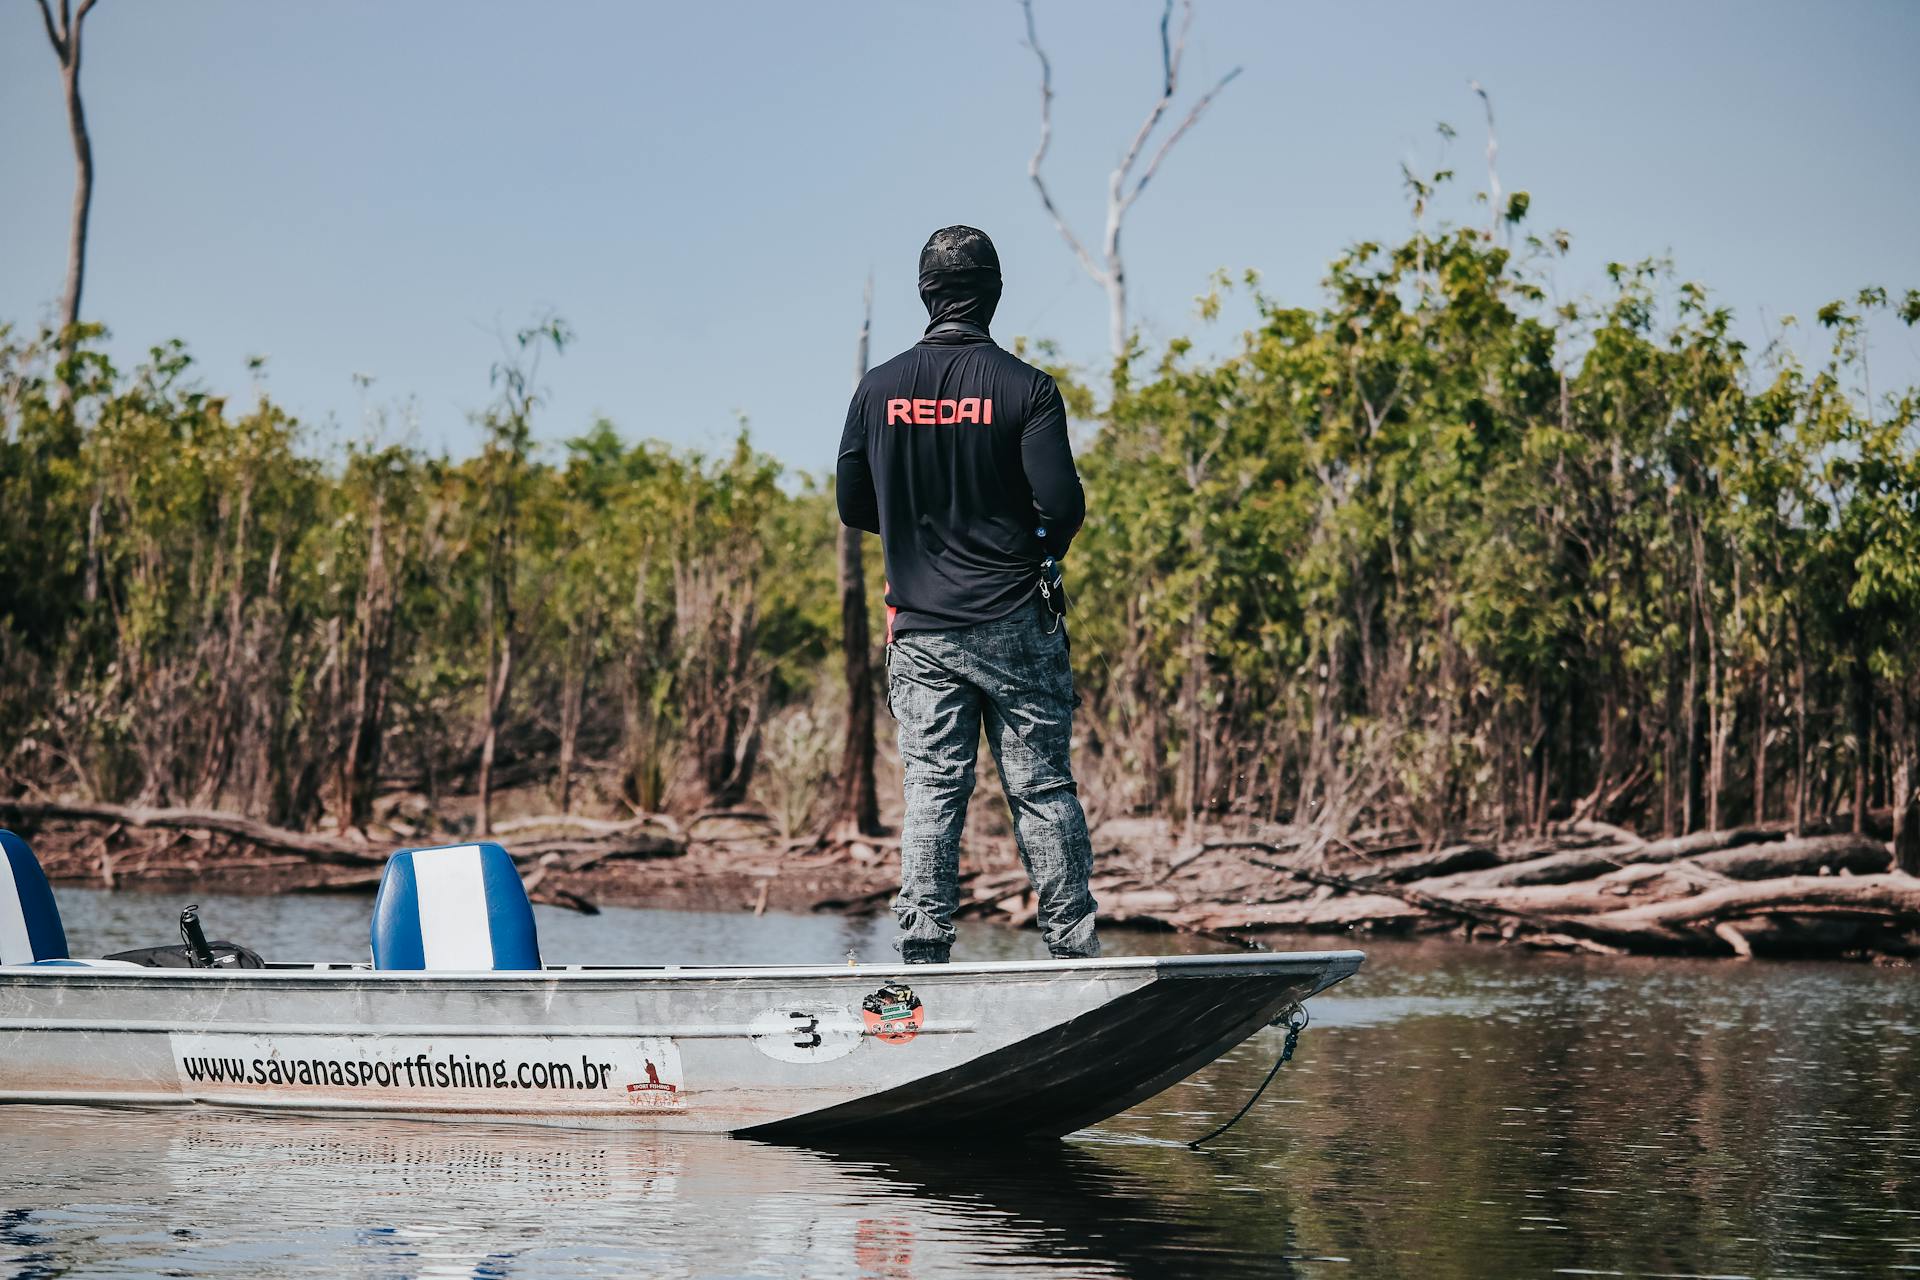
[806, 1032]
[893, 1014]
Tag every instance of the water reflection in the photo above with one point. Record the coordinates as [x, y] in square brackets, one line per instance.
[1454, 1111]
[1499, 1113]
[207, 1193]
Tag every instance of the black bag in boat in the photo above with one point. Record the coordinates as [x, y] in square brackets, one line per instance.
[226, 955]
[194, 951]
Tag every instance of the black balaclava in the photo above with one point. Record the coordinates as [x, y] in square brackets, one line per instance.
[959, 277]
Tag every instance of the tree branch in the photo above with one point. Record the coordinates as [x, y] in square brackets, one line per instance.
[1170, 56]
[1180, 46]
[1193, 116]
[1040, 151]
[628, 841]
[320, 848]
[1494, 211]
[53, 32]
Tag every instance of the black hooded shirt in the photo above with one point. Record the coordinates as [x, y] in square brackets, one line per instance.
[955, 452]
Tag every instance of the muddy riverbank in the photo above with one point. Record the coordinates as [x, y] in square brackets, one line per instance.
[1752, 891]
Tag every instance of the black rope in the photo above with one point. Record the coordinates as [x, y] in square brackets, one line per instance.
[1295, 1020]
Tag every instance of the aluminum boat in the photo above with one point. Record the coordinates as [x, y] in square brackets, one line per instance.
[458, 1021]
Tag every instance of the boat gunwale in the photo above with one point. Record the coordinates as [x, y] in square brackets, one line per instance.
[1333, 964]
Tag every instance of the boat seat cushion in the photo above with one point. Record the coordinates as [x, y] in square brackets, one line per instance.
[29, 922]
[69, 962]
[457, 907]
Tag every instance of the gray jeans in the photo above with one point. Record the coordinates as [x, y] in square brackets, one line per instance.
[1013, 675]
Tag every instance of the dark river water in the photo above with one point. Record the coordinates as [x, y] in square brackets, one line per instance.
[1452, 1111]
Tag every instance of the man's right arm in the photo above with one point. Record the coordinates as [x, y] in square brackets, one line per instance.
[853, 477]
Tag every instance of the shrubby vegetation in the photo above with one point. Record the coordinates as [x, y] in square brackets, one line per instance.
[1434, 552]
[198, 612]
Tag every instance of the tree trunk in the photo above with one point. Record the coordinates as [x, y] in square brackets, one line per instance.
[1187, 793]
[95, 530]
[1760, 743]
[65, 37]
[643, 774]
[82, 201]
[1689, 798]
[1669, 750]
[857, 807]
[223, 720]
[1719, 729]
[1543, 760]
[497, 684]
[361, 773]
[722, 691]
[1145, 741]
[1860, 689]
[1906, 796]
[1799, 728]
[1117, 310]
[573, 694]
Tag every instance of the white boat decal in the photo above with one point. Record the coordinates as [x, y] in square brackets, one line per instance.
[807, 1031]
[518, 1073]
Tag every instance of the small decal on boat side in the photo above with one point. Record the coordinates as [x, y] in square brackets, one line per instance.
[657, 1092]
[508, 1073]
[893, 1014]
[806, 1032]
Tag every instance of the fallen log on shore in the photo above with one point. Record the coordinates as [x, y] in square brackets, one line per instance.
[1698, 898]
[1891, 896]
[318, 848]
[1809, 855]
[626, 840]
[1552, 868]
[1494, 915]
[594, 826]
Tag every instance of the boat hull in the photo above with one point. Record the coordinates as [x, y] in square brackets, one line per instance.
[1003, 1050]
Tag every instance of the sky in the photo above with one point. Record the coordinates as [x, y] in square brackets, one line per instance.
[373, 196]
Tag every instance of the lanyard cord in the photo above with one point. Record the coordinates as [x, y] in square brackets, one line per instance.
[1294, 1018]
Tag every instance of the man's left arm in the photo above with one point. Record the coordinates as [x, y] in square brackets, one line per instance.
[1046, 455]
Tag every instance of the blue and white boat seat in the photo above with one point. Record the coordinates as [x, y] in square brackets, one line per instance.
[456, 907]
[29, 922]
[30, 929]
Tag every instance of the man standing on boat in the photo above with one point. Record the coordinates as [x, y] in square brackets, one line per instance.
[955, 452]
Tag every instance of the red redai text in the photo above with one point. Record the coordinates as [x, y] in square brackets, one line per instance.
[928, 413]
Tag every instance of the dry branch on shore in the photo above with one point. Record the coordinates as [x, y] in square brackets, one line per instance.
[1712, 893]
[318, 848]
[631, 839]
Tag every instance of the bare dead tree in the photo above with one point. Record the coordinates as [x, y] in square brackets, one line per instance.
[856, 809]
[359, 772]
[721, 680]
[1109, 270]
[1494, 208]
[64, 31]
[576, 659]
[501, 622]
[509, 440]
